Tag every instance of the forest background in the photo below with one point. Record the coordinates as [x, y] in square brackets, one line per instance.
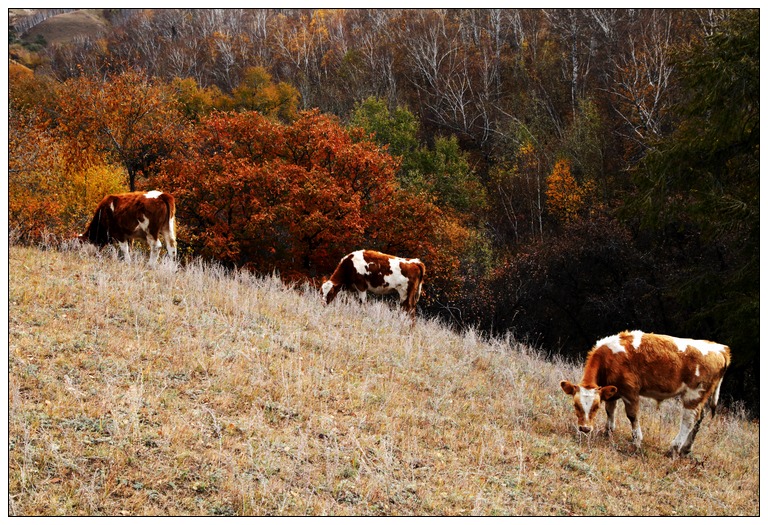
[565, 174]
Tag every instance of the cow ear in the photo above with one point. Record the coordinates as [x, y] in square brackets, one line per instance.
[568, 387]
[607, 392]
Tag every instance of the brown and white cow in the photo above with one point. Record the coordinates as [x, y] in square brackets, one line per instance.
[137, 215]
[370, 271]
[633, 364]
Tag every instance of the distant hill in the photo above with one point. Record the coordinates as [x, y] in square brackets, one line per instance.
[59, 28]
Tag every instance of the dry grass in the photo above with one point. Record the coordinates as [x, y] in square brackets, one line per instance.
[66, 27]
[200, 392]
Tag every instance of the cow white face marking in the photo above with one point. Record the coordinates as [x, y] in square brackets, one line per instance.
[586, 402]
[327, 285]
[611, 342]
[153, 194]
[587, 397]
[637, 338]
[697, 371]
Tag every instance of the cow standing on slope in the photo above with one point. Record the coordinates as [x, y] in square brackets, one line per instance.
[633, 364]
[370, 271]
[136, 215]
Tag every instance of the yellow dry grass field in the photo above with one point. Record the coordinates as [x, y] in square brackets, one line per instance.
[198, 391]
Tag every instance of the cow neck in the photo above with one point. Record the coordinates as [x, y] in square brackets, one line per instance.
[592, 370]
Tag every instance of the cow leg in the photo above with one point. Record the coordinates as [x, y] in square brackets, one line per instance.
[690, 422]
[687, 422]
[405, 299]
[170, 239]
[689, 427]
[610, 410]
[154, 249]
[171, 249]
[685, 450]
[124, 249]
[633, 408]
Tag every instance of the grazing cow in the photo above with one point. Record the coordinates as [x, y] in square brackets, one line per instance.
[136, 215]
[633, 364]
[367, 270]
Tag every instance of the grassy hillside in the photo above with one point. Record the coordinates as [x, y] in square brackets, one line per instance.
[152, 392]
[65, 27]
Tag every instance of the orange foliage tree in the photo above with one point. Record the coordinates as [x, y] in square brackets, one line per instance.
[566, 198]
[33, 175]
[295, 197]
[125, 120]
[47, 196]
[256, 92]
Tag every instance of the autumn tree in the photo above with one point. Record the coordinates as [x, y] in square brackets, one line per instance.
[442, 170]
[566, 198]
[257, 92]
[294, 197]
[642, 81]
[46, 195]
[28, 92]
[396, 129]
[34, 173]
[588, 279]
[196, 101]
[518, 193]
[126, 119]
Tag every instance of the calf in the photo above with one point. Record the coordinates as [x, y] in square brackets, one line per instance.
[136, 215]
[633, 364]
[367, 270]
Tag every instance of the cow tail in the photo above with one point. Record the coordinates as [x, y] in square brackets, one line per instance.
[714, 398]
[170, 204]
[423, 273]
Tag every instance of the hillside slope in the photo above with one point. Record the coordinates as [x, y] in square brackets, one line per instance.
[152, 392]
[66, 27]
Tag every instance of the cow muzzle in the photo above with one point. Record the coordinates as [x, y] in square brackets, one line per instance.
[585, 429]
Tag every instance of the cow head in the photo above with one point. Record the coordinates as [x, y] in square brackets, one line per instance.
[586, 402]
[97, 231]
[329, 290]
[82, 242]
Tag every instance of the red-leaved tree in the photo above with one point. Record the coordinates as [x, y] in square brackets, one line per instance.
[295, 197]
